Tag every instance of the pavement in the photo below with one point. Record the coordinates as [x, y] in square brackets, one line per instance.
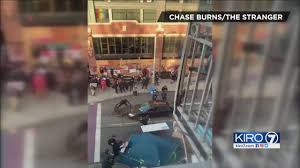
[41, 145]
[34, 110]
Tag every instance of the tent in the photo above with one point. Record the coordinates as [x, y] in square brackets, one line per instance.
[149, 150]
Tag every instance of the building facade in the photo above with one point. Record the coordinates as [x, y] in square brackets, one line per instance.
[126, 34]
[31, 27]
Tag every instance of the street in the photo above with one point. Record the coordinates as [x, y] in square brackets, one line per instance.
[42, 145]
[103, 123]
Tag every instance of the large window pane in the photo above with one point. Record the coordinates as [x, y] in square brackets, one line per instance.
[60, 6]
[150, 45]
[133, 14]
[126, 14]
[131, 45]
[172, 46]
[104, 45]
[137, 42]
[112, 45]
[118, 45]
[125, 45]
[96, 44]
[118, 14]
[149, 15]
[143, 45]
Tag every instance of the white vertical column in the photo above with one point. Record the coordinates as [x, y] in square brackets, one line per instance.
[110, 14]
[28, 155]
[154, 59]
[141, 15]
[98, 134]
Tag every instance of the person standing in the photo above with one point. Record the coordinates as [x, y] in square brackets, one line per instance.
[115, 85]
[103, 83]
[144, 83]
[39, 82]
[164, 90]
[147, 81]
[156, 77]
[131, 84]
[121, 85]
[112, 72]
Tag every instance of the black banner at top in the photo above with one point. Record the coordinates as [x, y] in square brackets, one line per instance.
[222, 16]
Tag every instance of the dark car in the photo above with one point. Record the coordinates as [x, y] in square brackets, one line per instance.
[151, 109]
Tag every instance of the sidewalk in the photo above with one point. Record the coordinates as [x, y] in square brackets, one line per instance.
[34, 110]
[109, 93]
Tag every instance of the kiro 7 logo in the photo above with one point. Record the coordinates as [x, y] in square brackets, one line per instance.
[272, 137]
[255, 140]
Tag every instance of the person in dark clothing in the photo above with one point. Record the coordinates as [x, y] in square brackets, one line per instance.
[116, 145]
[144, 120]
[147, 81]
[156, 77]
[144, 83]
[112, 72]
[115, 85]
[121, 85]
[164, 91]
[131, 84]
[126, 85]
[108, 159]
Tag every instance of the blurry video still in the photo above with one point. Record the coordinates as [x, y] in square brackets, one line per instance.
[43, 83]
[106, 84]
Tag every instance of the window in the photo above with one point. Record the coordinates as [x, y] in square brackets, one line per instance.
[149, 15]
[101, 15]
[32, 6]
[118, 14]
[123, 46]
[172, 46]
[126, 14]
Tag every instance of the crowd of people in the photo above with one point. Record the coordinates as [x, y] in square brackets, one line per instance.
[119, 82]
[123, 83]
[41, 79]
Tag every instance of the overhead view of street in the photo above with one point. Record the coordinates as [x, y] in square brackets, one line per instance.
[149, 83]
[118, 125]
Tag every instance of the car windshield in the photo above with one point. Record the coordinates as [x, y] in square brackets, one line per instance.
[144, 107]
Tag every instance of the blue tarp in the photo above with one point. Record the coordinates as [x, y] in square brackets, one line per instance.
[149, 150]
